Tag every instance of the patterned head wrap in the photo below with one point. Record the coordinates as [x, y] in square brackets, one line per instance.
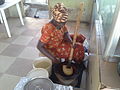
[60, 13]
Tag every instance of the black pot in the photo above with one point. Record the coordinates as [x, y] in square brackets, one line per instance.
[2, 2]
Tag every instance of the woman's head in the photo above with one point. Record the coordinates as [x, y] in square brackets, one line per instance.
[60, 13]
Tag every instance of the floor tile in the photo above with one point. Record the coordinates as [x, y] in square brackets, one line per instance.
[2, 28]
[38, 35]
[20, 67]
[5, 62]
[4, 38]
[34, 42]
[17, 31]
[8, 82]
[29, 53]
[13, 50]
[3, 46]
[1, 74]
[30, 32]
[14, 67]
[22, 40]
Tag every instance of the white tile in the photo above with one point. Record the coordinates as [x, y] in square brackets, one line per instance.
[22, 40]
[8, 82]
[5, 62]
[29, 53]
[3, 46]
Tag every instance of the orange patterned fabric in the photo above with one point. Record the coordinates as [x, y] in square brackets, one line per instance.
[54, 42]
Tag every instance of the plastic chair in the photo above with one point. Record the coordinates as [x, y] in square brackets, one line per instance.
[7, 4]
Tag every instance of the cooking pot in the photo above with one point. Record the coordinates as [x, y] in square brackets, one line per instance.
[39, 84]
[2, 2]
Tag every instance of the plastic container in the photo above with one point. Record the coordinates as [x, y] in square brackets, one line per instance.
[43, 62]
[38, 73]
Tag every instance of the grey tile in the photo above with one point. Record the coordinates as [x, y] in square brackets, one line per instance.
[8, 82]
[2, 34]
[38, 35]
[29, 53]
[20, 67]
[22, 40]
[3, 46]
[4, 38]
[1, 74]
[13, 50]
[2, 28]
[18, 31]
[5, 63]
[34, 42]
[30, 32]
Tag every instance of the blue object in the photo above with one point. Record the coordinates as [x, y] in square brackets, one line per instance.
[2, 2]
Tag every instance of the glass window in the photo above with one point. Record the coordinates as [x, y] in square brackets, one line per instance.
[107, 11]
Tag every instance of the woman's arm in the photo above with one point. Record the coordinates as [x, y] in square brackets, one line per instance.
[43, 50]
[67, 37]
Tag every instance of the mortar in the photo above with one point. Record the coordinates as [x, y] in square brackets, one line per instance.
[65, 79]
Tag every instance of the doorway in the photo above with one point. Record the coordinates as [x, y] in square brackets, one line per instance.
[36, 8]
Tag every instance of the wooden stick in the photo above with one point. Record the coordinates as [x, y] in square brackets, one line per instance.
[67, 69]
[76, 29]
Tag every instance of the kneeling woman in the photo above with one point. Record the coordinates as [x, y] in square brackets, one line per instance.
[55, 42]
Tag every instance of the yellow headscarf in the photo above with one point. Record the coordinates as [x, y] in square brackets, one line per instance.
[60, 13]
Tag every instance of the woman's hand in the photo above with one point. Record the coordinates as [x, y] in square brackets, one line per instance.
[56, 60]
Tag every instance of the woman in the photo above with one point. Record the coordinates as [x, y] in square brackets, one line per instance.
[55, 42]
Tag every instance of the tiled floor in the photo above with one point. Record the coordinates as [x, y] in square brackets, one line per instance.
[18, 52]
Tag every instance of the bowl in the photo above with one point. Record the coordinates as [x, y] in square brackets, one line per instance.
[43, 62]
[38, 73]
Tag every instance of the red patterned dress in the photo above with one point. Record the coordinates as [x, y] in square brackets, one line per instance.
[56, 45]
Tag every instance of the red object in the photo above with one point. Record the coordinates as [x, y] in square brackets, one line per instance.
[54, 42]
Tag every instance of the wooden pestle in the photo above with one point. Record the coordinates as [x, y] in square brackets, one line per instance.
[67, 69]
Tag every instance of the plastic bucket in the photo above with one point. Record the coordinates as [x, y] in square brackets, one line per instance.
[38, 73]
[43, 62]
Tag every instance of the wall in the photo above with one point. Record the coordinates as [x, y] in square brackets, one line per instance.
[13, 10]
[72, 5]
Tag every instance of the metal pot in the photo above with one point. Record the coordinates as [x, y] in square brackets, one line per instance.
[2, 2]
[39, 84]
